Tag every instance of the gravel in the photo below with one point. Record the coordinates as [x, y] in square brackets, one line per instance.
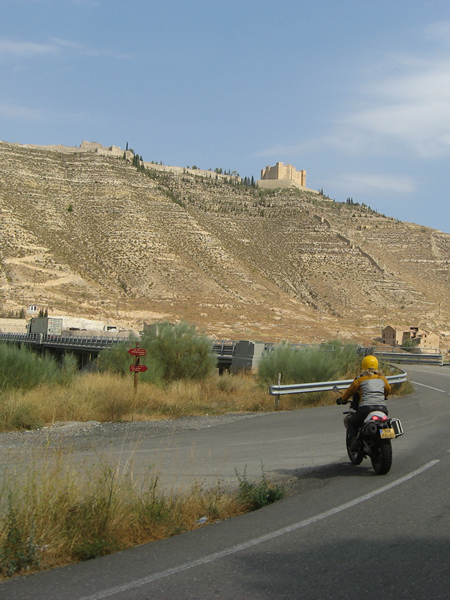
[81, 436]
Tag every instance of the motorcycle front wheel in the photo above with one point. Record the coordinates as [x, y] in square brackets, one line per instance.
[381, 457]
[356, 458]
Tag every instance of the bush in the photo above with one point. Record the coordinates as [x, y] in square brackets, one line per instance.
[22, 368]
[114, 360]
[410, 345]
[177, 352]
[19, 550]
[173, 352]
[69, 368]
[308, 364]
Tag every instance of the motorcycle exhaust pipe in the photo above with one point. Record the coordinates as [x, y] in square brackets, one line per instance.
[370, 429]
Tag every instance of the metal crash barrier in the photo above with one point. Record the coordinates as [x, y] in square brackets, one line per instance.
[411, 358]
[325, 386]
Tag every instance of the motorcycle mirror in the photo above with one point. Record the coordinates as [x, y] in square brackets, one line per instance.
[336, 389]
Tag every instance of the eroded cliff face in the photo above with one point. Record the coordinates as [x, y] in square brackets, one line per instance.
[90, 235]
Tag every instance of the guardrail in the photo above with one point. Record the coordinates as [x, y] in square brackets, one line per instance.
[411, 358]
[53, 340]
[325, 386]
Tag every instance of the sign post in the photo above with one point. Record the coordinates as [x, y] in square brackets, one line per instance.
[137, 368]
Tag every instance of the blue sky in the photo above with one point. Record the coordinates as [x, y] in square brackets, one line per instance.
[356, 92]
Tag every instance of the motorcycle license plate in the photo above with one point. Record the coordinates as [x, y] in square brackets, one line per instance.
[387, 433]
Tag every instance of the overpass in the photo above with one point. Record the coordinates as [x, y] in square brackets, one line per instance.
[230, 354]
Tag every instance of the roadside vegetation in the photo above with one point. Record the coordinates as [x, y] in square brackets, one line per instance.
[50, 515]
[181, 381]
[308, 364]
[49, 518]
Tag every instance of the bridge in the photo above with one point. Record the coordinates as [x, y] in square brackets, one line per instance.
[87, 348]
[231, 355]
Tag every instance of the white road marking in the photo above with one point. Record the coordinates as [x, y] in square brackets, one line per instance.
[437, 372]
[429, 387]
[255, 541]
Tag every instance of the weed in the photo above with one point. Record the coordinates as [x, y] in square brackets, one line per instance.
[19, 551]
[403, 389]
[258, 494]
[62, 515]
[26, 416]
[86, 549]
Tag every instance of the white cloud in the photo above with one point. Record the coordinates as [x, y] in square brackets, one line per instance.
[400, 106]
[409, 110]
[57, 46]
[9, 48]
[23, 113]
[86, 50]
[438, 32]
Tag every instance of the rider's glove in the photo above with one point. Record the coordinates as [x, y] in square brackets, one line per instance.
[338, 401]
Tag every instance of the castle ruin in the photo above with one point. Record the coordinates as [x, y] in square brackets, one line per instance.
[282, 176]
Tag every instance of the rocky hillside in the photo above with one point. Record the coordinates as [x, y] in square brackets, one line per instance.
[91, 235]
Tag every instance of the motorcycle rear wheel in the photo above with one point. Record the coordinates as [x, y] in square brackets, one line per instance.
[356, 458]
[382, 457]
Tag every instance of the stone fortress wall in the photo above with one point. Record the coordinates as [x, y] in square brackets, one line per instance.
[279, 176]
[197, 172]
[282, 176]
[118, 152]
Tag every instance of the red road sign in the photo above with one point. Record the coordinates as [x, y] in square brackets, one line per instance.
[137, 351]
[138, 368]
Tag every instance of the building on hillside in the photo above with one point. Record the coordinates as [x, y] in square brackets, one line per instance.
[282, 176]
[282, 171]
[404, 336]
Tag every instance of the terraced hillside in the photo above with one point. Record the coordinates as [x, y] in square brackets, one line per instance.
[91, 235]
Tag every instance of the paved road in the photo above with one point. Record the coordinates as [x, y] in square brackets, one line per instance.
[346, 534]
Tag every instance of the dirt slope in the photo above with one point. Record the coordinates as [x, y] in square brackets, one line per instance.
[90, 235]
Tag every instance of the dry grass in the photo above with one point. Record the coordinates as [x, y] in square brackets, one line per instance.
[51, 519]
[54, 513]
[106, 397]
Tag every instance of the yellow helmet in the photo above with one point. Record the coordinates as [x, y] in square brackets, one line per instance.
[369, 362]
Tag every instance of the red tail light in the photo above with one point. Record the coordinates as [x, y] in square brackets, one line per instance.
[377, 418]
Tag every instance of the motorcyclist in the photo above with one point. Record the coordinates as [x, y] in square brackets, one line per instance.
[369, 392]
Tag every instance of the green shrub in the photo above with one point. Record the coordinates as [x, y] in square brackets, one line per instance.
[114, 359]
[177, 352]
[22, 368]
[69, 368]
[173, 352]
[308, 364]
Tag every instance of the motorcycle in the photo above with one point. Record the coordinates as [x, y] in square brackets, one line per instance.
[373, 439]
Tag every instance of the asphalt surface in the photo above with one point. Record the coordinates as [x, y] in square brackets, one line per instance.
[344, 533]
